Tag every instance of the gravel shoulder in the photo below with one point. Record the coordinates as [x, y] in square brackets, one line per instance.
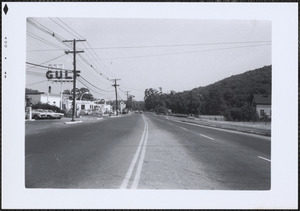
[254, 128]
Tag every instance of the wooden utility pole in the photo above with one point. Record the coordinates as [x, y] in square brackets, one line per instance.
[74, 73]
[115, 85]
[127, 102]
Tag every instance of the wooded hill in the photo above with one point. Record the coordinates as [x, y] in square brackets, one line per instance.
[230, 97]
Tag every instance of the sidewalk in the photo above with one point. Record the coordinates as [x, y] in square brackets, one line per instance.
[89, 118]
[83, 118]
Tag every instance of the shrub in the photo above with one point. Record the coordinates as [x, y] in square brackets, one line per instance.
[48, 107]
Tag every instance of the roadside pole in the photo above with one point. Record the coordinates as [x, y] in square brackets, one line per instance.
[115, 85]
[74, 73]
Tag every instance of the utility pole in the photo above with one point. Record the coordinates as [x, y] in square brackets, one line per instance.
[115, 85]
[74, 72]
[127, 99]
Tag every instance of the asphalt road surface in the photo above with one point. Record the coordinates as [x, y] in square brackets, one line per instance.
[144, 151]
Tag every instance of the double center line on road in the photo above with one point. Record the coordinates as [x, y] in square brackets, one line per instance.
[140, 153]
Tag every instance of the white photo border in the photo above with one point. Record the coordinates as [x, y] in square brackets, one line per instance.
[284, 167]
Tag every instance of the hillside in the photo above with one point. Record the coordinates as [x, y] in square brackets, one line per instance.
[230, 97]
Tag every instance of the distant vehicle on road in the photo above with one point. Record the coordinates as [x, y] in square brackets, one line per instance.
[53, 115]
[140, 111]
[38, 114]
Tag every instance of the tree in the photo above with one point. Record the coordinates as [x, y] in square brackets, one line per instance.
[230, 97]
[151, 99]
[30, 91]
[80, 94]
[67, 92]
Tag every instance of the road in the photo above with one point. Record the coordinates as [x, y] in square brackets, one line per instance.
[144, 151]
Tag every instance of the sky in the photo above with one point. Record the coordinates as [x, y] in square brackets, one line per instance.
[173, 54]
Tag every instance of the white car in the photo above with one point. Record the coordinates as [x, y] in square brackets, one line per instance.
[38, 114]
[53, 115]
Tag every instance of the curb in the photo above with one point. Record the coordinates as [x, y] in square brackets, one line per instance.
[75, 122]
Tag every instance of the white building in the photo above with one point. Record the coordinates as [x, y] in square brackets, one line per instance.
[41, 97]
[102, 107]
[262, 104]
[57, 99]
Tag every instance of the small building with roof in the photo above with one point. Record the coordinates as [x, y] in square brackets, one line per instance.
[262, 104]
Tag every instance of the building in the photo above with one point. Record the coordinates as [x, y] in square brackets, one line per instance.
[103, 107]
[61, 101]
[262, 104]
[41, 97]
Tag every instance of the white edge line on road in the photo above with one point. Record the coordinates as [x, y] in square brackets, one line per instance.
[186, 128]
[140, 165]
[206, 137]
[264, 158]
[134, 160]
[222, 129]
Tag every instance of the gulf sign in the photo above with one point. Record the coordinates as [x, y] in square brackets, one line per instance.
[55, 72]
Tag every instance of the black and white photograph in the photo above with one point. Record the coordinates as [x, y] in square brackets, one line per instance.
[159, 104]
[148, 105]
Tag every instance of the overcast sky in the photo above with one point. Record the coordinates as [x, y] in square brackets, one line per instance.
[146, 53]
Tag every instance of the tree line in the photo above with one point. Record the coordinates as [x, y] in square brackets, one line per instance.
[230, 97]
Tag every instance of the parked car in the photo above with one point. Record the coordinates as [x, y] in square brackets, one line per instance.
[53, 115]
[38, 114]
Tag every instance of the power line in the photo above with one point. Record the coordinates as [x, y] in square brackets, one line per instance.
[43, 40]
[80, 36]
[91, 66]
[184, 52]
[70, 29]
[47, 31]
[92, 77]
[100, 60]
[181, 45]
[35, 73]
[63, 28]
[43, 50]
[36, 83]
[91, 89]
[49, 60]
[94, 85]
[47, 67]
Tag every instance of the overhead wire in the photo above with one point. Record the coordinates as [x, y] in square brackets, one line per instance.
[36, 83]
[30, 34]
[48, 31]
[94, 54]
[49, 60]
[87, 86]
[88, 77]
[78, 37]
[184, 52]
[30, 63]
[95, 86]
[91, 66]
[180, 45]
[62, 27]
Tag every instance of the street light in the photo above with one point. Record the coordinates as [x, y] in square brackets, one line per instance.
[83, 94]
